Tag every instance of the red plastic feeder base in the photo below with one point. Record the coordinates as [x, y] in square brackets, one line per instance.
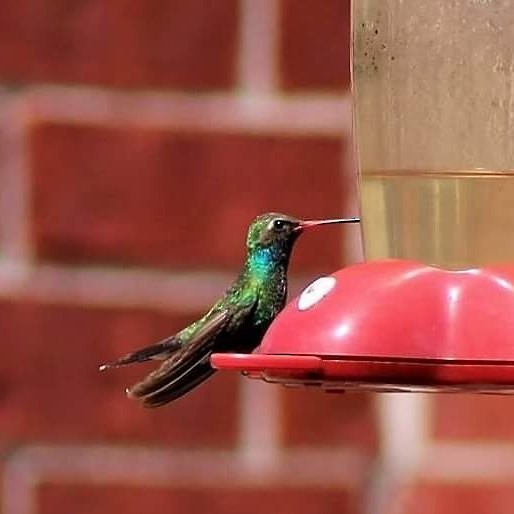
[392, 326]
[337, 375]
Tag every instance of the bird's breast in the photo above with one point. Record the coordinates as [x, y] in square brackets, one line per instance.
[272, 299]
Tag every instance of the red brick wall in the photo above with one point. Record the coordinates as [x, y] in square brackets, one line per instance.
[137, 140]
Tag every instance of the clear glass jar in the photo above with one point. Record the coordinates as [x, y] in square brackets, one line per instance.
[434, 124]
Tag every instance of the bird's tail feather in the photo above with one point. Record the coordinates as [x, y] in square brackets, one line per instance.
[197, 374]
[157, 351]
[173, 379]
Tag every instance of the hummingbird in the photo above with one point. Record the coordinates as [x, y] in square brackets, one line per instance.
[235, 323]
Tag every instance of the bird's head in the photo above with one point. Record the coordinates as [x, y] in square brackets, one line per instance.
[272, 230]
[278, 232]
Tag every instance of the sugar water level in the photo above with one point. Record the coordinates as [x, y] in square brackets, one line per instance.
[452, 219]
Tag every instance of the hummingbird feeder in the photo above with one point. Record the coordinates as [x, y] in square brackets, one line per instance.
[392, 325]
[432, 105]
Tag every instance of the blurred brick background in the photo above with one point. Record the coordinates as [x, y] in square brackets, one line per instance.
[137, 140]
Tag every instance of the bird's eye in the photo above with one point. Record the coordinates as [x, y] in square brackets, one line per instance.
[279, 224]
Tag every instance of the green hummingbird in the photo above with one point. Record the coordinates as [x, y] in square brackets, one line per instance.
[236, 322]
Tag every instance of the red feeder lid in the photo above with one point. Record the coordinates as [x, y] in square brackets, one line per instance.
[394, 326]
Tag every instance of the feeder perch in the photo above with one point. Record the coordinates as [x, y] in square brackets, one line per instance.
[392, 325]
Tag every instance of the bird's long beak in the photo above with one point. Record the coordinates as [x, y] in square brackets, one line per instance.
[314, 223]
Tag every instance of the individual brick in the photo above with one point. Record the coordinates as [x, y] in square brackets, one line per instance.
[182, 200]
[311, 417]
[185, 44]
[473, 417]
[454, 498]
[315, 44]
[51, 389]
[84, 499]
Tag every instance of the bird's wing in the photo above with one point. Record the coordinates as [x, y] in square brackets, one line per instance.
[157, 351]
[163, 349]
[190, 366]
[193, 372]
[186, 368]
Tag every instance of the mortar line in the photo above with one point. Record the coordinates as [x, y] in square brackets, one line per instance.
[404, 420]
[302, 114]
[27, 467]
[259, 424]
[16, 247]
[184, 291]
[258, 51]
